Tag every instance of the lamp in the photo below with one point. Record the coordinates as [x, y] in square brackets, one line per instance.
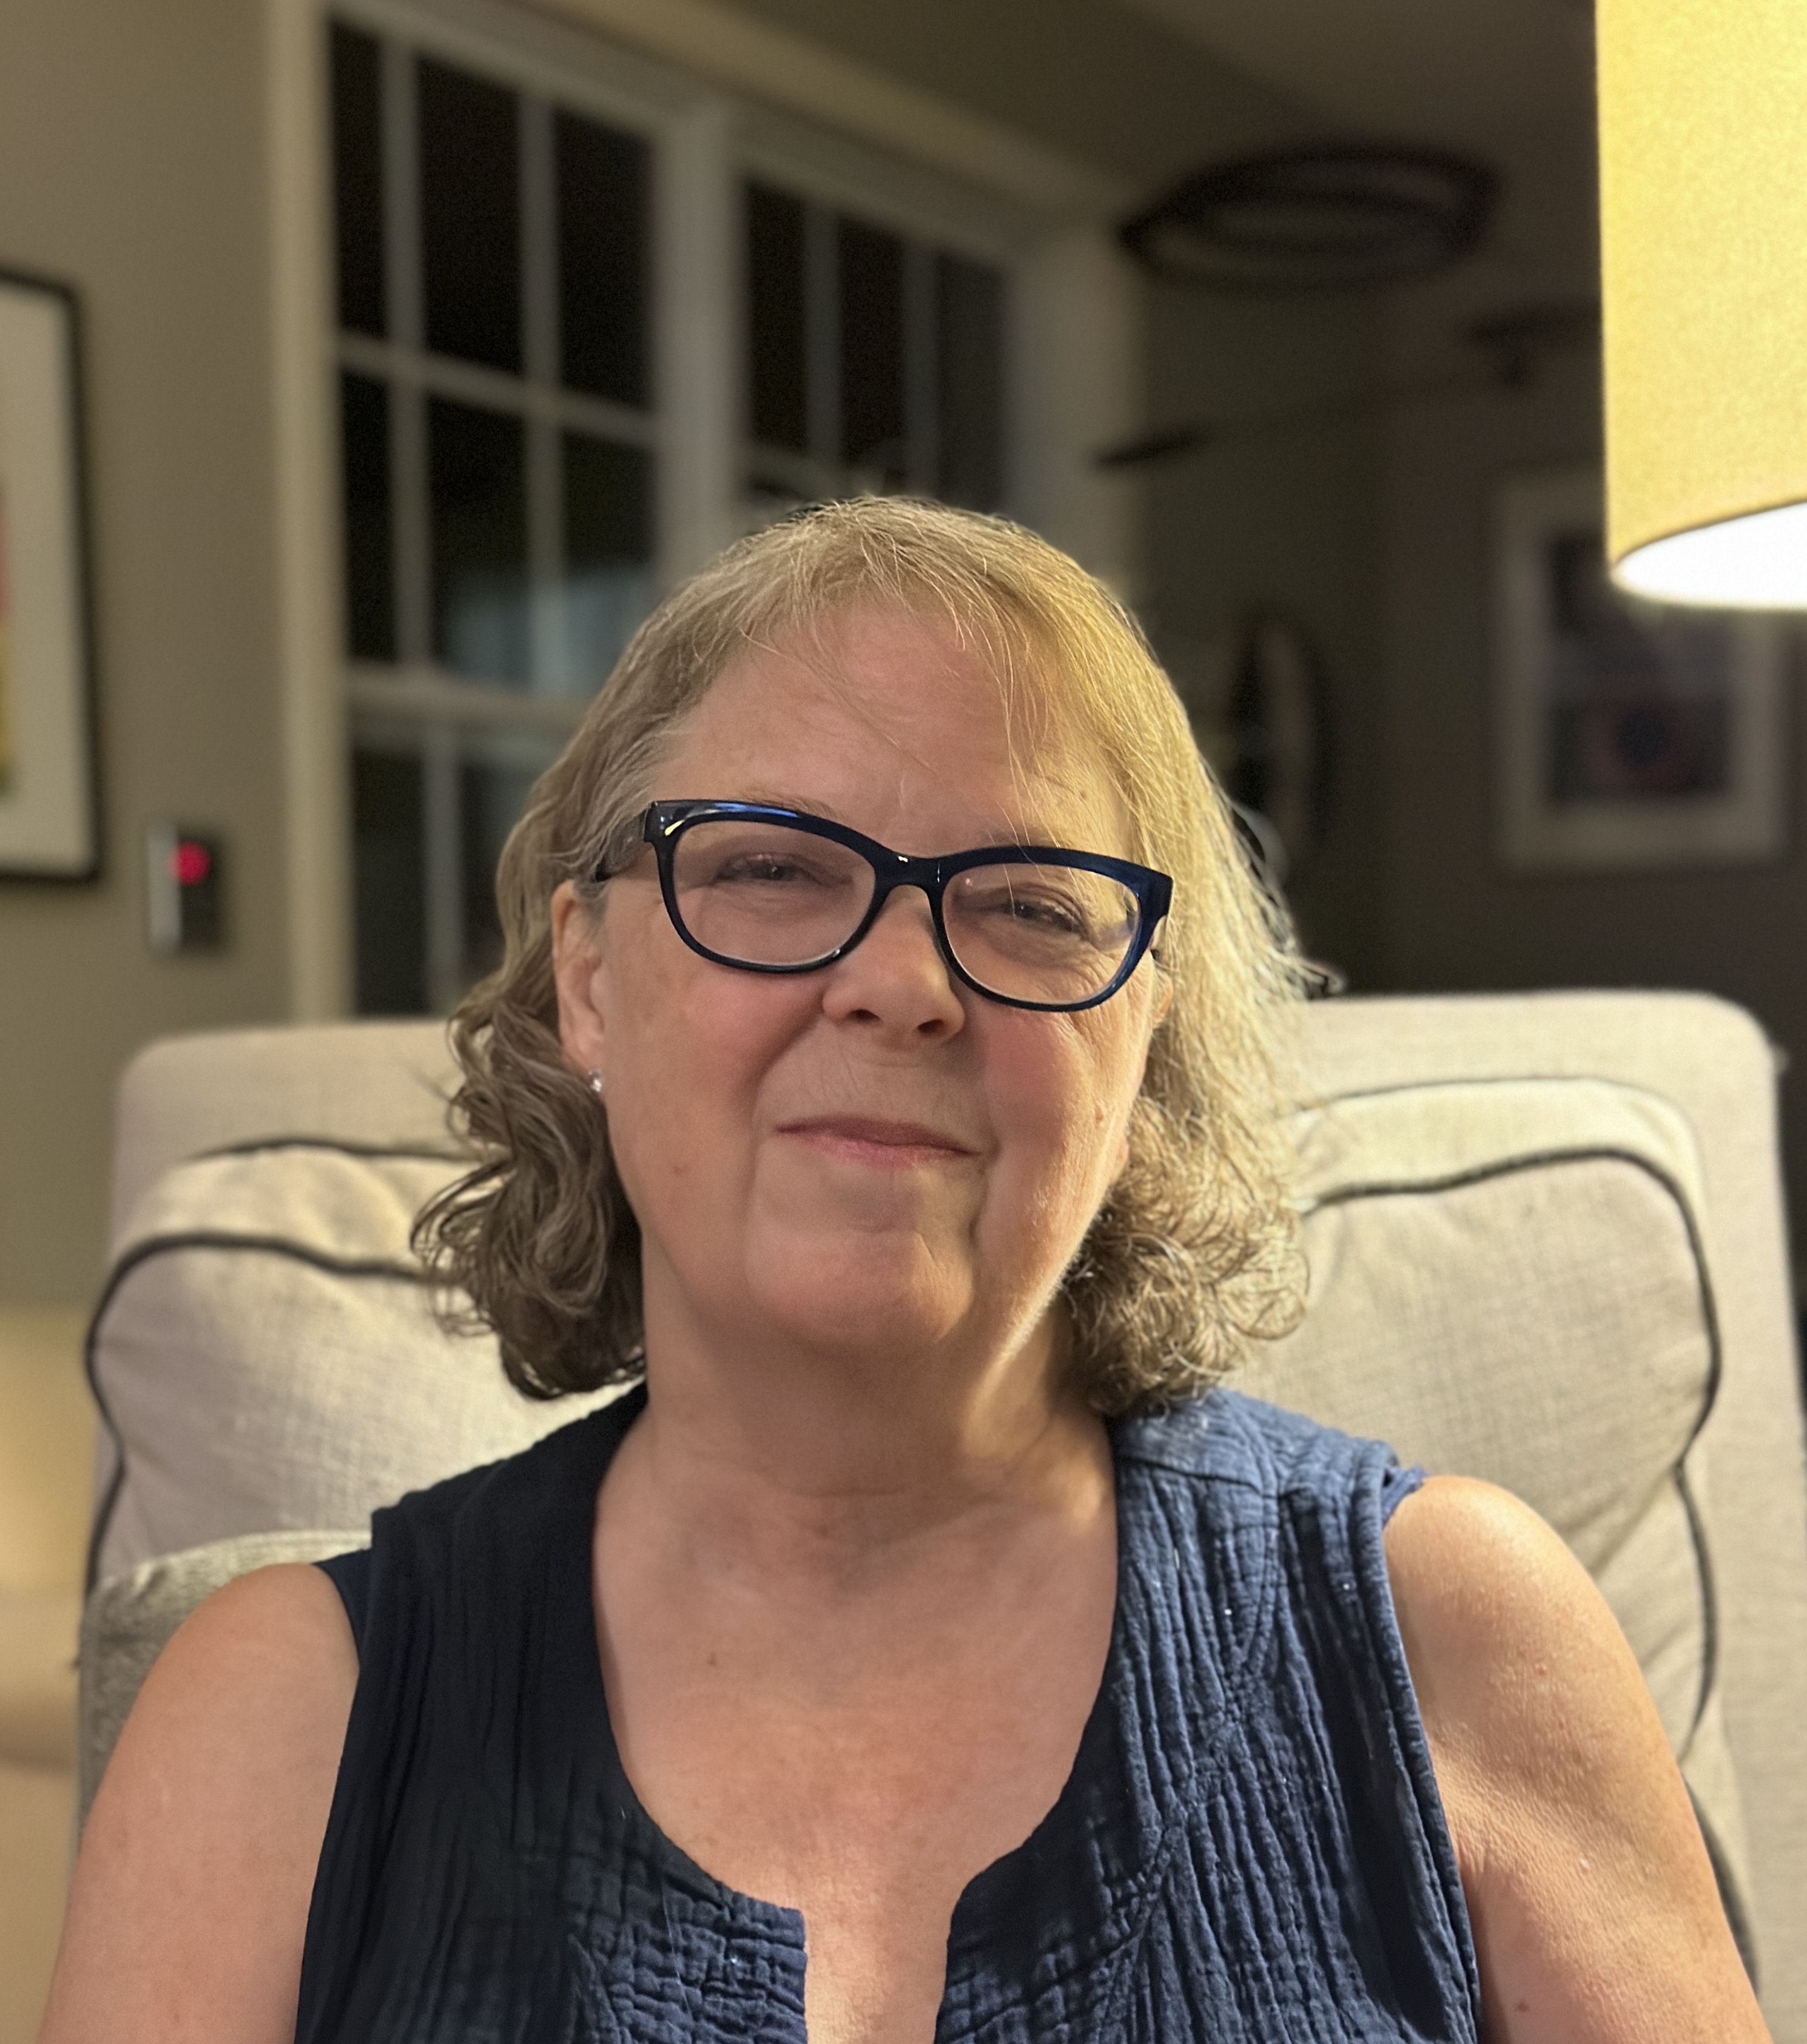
[1703, 213]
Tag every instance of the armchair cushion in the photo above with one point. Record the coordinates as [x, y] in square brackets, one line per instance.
[265, 1358]
[1508, 1223]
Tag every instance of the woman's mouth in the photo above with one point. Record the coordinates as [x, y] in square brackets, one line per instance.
[866, 1140]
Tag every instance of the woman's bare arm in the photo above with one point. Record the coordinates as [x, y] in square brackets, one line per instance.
[191, 1897]
[1597, 1919]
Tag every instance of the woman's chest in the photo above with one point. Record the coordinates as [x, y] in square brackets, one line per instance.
[862, 1782]
[870, 1825]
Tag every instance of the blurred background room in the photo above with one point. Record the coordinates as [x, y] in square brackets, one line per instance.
[367, 367]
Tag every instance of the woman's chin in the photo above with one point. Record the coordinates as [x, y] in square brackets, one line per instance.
[872, 1294]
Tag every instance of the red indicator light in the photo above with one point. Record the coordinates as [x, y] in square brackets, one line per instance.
[190, 863]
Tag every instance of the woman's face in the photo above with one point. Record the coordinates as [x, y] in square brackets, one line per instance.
[870, 1153]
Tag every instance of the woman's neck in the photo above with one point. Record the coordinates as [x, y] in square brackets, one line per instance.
[830, 1467]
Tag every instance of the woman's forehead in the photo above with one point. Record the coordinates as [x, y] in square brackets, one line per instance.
[898, 700]
[1040, 817]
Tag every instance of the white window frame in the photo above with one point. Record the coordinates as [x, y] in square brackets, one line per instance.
[836, 180]
[1072, 369]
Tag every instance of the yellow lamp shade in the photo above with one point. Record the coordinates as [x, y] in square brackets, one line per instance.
[1703, 218]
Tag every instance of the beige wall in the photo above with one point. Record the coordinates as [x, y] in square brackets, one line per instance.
[1376, 535]
[130, 165]
[1281, 518]
[1454, 920]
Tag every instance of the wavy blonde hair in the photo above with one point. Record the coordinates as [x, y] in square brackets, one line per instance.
[1194, 1252]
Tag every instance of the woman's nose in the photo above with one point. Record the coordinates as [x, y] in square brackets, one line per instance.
[895, 975]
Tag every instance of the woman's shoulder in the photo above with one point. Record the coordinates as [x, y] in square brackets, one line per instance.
[197, 1868]
[1236, 1440]
[254, 1688]
[1523, 1676]
[1593, 1900]
[192, 1887]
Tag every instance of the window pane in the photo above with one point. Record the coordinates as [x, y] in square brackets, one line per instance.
[494, 783]
[871, 351]
[602, 258]
[476, 463]
[777, 407]
[357, 178]
[370, 543]
[608, 551]
[969, 376]
[390, 889]
[470, 216]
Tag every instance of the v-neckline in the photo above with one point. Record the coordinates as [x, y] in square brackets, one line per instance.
[1004, 1900]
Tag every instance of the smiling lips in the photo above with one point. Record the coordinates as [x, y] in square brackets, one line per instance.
[887, 1144]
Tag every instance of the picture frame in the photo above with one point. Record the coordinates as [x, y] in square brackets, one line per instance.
[49, 805]
[1629, 736]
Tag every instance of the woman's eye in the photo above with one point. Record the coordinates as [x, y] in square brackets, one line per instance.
[772, 871]
[762, 867]
[1047, 913]
[1054, 913]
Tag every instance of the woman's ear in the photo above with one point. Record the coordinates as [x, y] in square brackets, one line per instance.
[576, 959]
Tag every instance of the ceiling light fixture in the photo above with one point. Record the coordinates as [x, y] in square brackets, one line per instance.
[1334, 215]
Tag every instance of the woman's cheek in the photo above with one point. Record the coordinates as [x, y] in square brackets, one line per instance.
[1063, 1130]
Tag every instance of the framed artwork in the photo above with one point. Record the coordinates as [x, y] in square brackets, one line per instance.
[49, 812]
[1628, 734]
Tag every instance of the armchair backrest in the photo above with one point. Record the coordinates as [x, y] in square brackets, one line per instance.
[1546, 1241]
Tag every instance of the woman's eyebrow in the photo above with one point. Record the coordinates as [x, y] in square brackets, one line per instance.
[812, 805]
[1002, 830]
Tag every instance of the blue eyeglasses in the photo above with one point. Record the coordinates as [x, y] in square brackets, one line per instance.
[767, 889]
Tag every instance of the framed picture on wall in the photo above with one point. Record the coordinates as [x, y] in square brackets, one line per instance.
[48, 825]
[1627, 735]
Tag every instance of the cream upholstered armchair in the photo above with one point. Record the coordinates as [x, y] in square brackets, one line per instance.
[1546, 1244]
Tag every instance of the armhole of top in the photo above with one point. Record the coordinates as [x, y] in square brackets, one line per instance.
[350, 1575]
[1396, 1486]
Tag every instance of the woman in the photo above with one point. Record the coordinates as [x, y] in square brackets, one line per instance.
[928, 1616]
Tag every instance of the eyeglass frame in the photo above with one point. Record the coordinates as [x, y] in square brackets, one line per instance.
[663, 823]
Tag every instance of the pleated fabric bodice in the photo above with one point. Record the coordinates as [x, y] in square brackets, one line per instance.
[1250, 1845]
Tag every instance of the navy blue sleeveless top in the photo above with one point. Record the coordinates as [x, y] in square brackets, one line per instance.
[1250, 1847]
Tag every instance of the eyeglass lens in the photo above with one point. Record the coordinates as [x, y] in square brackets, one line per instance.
[758, 893]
